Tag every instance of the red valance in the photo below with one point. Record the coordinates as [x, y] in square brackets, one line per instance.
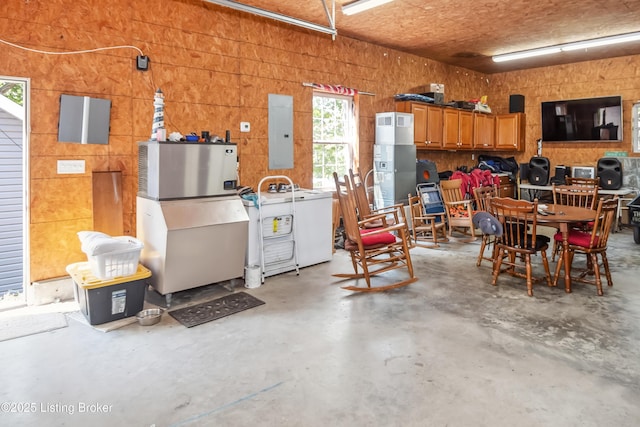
[337, 89]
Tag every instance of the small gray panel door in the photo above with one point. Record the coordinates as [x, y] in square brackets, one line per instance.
[280, 131]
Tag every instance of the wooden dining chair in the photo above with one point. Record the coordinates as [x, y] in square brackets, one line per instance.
[589, 182]
[373, 251]
[593, 244]
[459, 210]
[518, 241]
[580, 195]
[482, 197]
[583, 194]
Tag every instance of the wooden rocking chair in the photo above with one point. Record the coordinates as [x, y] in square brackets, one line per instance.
[373, 251]
[459, 210]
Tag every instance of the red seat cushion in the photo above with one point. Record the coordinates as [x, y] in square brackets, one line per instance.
[369, 239]
[578, 238]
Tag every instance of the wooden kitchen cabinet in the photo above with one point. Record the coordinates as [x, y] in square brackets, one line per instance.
[458, 129]
[510, 132]
[444, 128]
[484, 131]
[427, 123]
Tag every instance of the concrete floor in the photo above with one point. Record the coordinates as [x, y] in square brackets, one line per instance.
[448, 350]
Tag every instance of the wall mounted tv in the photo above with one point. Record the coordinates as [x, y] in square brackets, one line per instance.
[589, 119]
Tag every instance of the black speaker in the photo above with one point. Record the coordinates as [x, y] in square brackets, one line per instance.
[524, 171]
[610, 173]
[516, 103]
[539, 171]
[562, 172]
[426, 171]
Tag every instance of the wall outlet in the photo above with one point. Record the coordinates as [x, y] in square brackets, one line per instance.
[245, 126]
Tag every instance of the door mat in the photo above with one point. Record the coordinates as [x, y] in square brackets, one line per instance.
[215, 309]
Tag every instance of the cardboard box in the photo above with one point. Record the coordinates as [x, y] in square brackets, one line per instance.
[436, 87]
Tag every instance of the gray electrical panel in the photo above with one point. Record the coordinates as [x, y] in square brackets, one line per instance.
[280, 132]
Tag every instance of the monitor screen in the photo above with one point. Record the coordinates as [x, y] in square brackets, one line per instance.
[588, 119]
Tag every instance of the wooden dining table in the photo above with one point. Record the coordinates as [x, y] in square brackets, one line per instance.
[561, 217]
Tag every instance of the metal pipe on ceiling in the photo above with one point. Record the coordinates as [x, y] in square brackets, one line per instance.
[283, 18]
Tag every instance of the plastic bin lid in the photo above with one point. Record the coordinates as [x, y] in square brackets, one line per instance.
[81, 274]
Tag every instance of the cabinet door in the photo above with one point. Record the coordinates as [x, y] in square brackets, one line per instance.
[458, 129]
[434, 127]
[451, 127]
[510, 132]
[465, 129]
[419, 123]
[484, 132]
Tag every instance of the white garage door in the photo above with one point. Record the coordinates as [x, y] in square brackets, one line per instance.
[11, 193]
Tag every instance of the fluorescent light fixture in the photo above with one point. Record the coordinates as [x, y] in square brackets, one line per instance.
[604, 41]
[526, 54]
[622, 38]
[277, 16]
[362, 5]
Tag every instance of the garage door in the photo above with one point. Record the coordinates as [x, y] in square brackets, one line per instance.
[11, 191]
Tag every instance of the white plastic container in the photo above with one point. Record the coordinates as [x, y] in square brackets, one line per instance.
[119, 263]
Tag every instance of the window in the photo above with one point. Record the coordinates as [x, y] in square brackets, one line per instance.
[333, 137]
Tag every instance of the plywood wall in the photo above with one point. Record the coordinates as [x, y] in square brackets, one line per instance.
[616, 76]
[216, 68]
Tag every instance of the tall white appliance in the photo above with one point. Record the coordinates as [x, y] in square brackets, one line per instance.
[394, 159]
[192, 222]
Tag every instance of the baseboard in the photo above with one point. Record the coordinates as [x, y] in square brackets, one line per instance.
[50, 291]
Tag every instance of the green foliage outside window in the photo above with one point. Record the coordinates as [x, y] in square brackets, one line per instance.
[331, 138]
[13, 91]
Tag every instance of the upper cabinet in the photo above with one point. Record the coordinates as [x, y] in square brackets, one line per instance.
[427, 122]
[510, 129]
[484, 135]
[444, 128]
[458, 129]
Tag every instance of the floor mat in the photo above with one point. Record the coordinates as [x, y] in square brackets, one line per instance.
[23, 325]
[215, 309]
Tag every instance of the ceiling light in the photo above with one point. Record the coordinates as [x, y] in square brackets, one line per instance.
[526, 54]
[623, 38]
[361, 6]
[585, 44]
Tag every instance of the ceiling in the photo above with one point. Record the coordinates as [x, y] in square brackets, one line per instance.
[467, 33]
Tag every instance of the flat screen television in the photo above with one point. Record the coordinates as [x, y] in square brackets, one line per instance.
[588, 119]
